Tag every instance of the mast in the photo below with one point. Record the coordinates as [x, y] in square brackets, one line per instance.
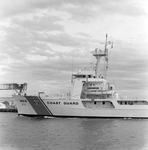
[106, 57]
[101, 53]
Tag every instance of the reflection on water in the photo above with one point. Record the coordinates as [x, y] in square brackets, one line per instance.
[96, 133]
[115, 134]
[21, 133]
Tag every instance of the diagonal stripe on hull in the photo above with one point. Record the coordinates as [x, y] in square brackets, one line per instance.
[45, 106]
[38, 106]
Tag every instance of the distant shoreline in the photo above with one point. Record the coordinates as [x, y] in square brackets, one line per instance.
[7, 110]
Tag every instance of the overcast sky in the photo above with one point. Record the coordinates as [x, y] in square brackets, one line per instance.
[43, 41]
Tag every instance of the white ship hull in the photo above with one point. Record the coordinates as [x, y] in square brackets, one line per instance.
[36, 106]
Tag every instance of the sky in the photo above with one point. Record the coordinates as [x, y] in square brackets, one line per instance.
[42, 42]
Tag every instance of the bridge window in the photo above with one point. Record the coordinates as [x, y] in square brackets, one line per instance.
[89, 76]
[133, 102]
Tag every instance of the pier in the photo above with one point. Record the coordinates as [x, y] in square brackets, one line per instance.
[8, 110]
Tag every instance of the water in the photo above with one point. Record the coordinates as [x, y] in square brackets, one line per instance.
[22, 133]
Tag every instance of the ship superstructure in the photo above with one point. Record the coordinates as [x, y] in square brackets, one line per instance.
[91, 96]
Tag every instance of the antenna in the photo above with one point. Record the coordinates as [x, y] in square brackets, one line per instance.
[106, 57]
[106, 52]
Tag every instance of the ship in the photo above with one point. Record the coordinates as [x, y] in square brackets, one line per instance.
[91, 96]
